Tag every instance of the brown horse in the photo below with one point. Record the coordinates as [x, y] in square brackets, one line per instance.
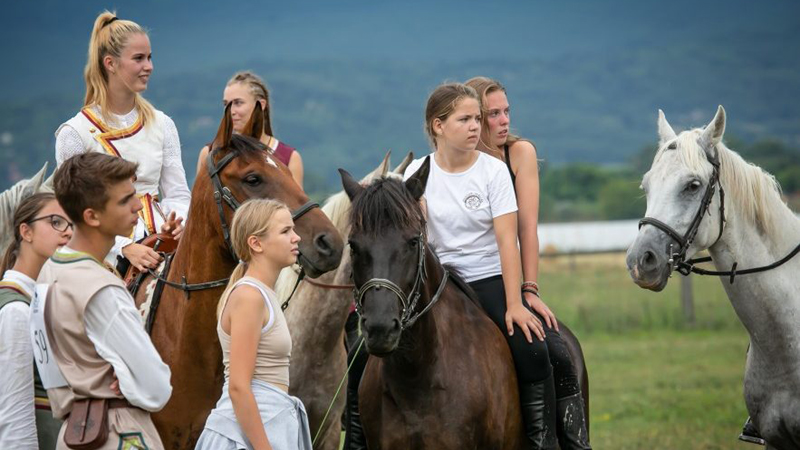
[184, 330]
[317, 316]
[440, 374]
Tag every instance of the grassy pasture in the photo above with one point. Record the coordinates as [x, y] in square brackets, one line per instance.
[656, 382]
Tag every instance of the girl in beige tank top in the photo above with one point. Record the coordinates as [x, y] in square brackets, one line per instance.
[255, 410]
[274, 348]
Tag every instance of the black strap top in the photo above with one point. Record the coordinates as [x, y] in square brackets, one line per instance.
[508, 164]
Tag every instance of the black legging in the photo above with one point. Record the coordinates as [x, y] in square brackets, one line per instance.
[492, 295]
[531, 360]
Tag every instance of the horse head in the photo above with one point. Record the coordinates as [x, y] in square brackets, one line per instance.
[387, 251]
[240, 167]
[685, 210]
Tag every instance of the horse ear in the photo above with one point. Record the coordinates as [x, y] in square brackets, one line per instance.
[225, 130]
[416, 183]
[34, 184]
[351, 186]
[379, 171]
[665, 131]
[255, 126]
[401, 169]
[713, 133]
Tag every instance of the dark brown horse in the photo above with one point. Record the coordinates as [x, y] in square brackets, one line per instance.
[184, 330]
[440, 374]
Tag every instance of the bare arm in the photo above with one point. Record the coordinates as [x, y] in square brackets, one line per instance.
[246, 314]
[505, 228]
[526, 168]
[296, 167]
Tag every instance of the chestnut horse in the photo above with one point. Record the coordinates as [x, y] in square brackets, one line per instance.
[440, 374]
[184, 328]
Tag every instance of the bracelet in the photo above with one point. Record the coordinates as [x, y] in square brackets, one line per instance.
[531, 285]
[536, 293]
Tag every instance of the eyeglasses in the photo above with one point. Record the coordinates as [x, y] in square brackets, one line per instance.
[58, 222]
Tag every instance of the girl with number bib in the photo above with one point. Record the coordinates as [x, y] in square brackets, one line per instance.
[40, 227]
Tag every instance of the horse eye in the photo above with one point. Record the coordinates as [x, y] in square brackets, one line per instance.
[693, 186]
[253, 180]
[413, 242]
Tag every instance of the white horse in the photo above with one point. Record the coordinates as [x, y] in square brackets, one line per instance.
[750, 227]
[316, 317]
[11, 197]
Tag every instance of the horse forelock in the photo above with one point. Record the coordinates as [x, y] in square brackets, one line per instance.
[753, 192]
[386, 204]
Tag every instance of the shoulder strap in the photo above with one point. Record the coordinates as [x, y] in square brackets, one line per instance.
[11, 294]
[508, 164]
[266, 300]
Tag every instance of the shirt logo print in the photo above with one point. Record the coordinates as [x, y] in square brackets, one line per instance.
[473, 201]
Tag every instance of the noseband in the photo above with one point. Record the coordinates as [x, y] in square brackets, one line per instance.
[223, 194]
[409, 315]
[677, 259]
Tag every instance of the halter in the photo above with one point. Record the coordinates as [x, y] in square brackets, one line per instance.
[677, 259]
[409, 302]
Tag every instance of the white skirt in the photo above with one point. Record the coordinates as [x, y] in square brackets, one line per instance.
[284, 418]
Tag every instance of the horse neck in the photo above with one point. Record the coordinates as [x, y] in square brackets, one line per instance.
[767, 302]
[419, 345]
[202, 254]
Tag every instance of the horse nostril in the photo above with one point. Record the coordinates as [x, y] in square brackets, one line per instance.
[396, 324]
[323, 245]
[648, 261]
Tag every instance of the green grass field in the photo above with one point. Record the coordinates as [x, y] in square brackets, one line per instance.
[656, 382]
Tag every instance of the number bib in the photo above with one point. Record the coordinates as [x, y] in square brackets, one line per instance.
[42, 350]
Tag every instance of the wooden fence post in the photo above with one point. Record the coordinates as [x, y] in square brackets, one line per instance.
[687, 300]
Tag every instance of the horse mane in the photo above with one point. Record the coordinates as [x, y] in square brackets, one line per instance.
[755, 192]
[462, 284]
[386, 204]
[245, 147]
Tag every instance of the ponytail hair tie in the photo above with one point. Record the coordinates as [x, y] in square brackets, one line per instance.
[241, 261]
[113, 19]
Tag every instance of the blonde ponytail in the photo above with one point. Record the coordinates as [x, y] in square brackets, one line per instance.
[253, 218]
[109, 37]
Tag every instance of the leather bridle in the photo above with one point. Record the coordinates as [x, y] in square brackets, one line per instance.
[677, 259]
[409, 314]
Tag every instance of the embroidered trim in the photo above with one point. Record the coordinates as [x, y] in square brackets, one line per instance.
[132, 441]
[14, 287]
[108, 134]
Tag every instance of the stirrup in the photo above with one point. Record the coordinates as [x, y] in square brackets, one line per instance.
[750, 434]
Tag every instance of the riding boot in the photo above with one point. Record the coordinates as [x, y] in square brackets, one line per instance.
[750, 434]
[571, 423]
[537, 402]
[354, 438]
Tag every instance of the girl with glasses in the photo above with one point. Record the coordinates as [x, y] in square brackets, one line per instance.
[40, 227]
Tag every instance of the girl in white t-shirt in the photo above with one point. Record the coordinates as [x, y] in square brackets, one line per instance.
[472, 226]
[519, 156]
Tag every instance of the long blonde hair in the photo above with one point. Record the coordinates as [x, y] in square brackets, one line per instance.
[259, 90]
[253, 218]
[485, 86]
[109, 37]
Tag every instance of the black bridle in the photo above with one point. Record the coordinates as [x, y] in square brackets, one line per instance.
[223, 194]
[409, 315]
[677, 259]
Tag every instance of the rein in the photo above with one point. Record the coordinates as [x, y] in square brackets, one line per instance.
[677, 260]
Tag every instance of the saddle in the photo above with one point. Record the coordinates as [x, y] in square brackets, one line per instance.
[162, 243]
